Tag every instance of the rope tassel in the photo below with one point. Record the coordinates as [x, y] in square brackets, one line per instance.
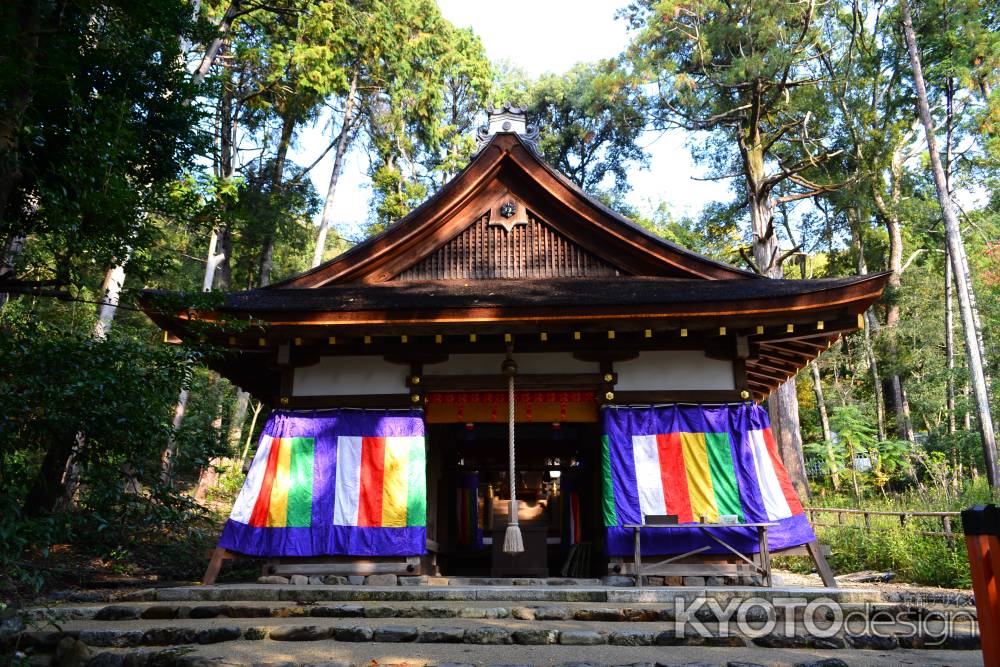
[512, 541]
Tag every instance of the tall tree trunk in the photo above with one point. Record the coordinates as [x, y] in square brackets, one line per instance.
[47, 486]
[949, 344]
[267, 252]
[215, 46]
[170, 452]
[857, 241]
[956, 249]
[253, 425]
[8, 262]
[234, 436]
[224, 169]
[346, 128]
[893, 227]
[783, 404]
[824, 421]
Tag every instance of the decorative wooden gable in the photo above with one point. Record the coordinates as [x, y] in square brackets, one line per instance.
[524, 248]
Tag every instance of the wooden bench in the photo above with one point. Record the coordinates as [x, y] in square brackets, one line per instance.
[759, 564]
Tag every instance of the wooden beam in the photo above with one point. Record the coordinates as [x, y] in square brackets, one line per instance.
[388, 401]
[532, 382]
[679, 396]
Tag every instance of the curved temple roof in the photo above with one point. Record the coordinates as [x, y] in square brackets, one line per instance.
[511, 246]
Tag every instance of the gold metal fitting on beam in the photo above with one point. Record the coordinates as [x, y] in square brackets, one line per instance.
[684, 333]
[332, 340]
[608, 377]
[543, 336]
[722, 331]
[820, 325]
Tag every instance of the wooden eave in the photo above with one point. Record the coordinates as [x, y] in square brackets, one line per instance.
[506, 163]
[781, 334]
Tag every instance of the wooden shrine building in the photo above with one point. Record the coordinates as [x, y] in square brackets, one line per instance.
[510, 257]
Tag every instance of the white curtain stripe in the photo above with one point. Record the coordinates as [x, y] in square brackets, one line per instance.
[243, 508]
[770, 488]
[647, 474]
[347, 491]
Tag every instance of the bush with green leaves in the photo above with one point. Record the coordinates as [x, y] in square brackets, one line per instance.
[84, 423]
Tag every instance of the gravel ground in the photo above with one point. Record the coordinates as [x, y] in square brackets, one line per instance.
[370, 655]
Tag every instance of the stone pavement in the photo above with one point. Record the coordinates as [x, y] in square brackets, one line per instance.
[261, 624]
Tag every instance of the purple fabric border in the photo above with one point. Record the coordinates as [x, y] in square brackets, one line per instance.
[325, 540]
[621, 423]
[789, 532]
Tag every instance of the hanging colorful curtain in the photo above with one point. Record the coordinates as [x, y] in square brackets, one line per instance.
[696, 462]
[344, 482]
[470, 528]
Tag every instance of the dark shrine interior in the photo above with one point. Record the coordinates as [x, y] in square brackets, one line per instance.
[558, 491]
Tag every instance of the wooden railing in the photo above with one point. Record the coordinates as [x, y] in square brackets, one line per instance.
[849, 518]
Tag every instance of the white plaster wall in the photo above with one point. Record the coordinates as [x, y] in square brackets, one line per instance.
[673, 370]
[340, 376]
[489, 364]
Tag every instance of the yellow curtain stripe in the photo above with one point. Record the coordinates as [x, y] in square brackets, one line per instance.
[395, 483]
[277, 512]
[699, 476]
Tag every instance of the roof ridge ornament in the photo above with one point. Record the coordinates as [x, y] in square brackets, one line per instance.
[508, 118]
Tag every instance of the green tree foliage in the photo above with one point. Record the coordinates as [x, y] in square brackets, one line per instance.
[591, 119]
[95, 127]
[432, 81]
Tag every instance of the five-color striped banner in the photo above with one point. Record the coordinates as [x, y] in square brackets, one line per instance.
[697, 463]
[343, 482]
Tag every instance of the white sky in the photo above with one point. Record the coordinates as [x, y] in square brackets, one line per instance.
[539, 36]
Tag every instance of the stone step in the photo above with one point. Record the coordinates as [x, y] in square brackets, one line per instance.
[323, 593]
[180, 632]
[607, 613]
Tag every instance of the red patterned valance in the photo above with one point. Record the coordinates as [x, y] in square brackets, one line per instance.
[491, 406]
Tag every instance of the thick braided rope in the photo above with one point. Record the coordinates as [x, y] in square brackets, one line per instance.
[510, 440]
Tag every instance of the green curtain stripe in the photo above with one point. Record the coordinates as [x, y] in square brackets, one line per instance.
[608, 504]
[720, 465]
[300, 483]
[416, 497]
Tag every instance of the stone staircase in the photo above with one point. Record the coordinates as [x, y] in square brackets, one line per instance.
[565, 624]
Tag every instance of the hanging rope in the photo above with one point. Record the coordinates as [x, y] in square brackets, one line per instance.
[512, 541]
